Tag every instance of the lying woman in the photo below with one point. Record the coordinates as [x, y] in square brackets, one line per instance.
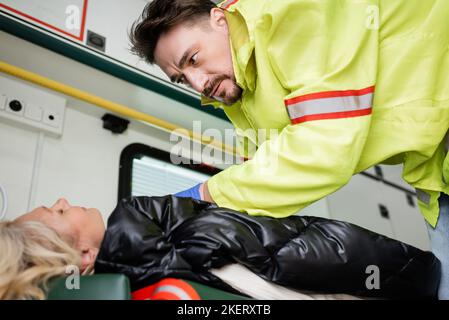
[39, 246]
[151, 238]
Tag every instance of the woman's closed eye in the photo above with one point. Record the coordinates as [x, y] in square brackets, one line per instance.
[193, 59]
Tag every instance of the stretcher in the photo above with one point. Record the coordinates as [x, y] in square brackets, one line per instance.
[117, 287]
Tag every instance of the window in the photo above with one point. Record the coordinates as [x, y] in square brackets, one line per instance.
[147, 171]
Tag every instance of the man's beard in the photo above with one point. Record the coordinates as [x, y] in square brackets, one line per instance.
[228, 97]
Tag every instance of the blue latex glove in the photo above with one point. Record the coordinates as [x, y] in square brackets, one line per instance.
[193, 193]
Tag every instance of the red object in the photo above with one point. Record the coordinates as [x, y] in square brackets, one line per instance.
[329, 94]
[167, 289]
[333, 115]
[227, 4]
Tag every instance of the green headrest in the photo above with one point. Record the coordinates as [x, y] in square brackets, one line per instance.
[94, 287]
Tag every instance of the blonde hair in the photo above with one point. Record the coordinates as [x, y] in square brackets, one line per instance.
[31, 254]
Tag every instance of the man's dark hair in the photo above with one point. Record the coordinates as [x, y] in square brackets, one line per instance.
[158, 17]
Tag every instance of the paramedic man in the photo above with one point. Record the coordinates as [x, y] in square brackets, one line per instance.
[347, 85]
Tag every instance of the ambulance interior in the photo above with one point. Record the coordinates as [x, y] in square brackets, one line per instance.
[82, 118]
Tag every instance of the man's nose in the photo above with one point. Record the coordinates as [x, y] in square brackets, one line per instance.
[196, 79]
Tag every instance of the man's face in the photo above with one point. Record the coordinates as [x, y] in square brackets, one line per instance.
[200, 57]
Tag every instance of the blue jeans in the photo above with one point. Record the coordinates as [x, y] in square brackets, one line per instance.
[439, 241]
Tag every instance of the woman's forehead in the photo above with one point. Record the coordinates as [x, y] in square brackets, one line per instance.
[49, 218]
[38, 214]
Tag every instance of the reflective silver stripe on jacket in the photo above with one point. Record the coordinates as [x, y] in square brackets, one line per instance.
[423, 196]
[330, 105]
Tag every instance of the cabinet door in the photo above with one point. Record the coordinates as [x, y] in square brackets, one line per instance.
[359, 203]
[17, 153]
[393, 174]
[407, 221]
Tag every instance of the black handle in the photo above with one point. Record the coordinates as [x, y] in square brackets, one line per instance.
[384, 211]
[379, 172]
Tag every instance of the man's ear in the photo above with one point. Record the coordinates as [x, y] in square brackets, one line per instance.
[218, 19]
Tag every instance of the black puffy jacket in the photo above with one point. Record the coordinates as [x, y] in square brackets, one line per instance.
[149, 238]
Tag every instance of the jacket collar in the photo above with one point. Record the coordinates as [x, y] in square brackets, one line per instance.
[242, 49]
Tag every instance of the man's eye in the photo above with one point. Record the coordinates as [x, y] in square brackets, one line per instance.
[60, 211]
[180, 80]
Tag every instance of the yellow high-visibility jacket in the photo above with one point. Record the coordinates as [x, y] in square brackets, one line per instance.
[345, 84]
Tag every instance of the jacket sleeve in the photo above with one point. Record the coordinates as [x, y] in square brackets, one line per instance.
[325, 54]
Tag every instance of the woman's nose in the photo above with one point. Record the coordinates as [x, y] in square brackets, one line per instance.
[62, 203]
